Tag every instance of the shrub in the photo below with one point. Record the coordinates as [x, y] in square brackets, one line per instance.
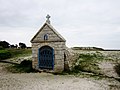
[26, 63]
[1, 48]
[24, 67]
[4, 44]
[4, 54]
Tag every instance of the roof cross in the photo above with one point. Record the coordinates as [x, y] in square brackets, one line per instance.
[48, 17]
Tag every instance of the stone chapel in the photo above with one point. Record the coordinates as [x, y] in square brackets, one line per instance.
[48, 49]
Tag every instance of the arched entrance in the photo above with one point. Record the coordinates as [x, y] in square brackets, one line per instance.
[46, 57]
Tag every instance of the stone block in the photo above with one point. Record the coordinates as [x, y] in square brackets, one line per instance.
[58, 68]
[59, 62]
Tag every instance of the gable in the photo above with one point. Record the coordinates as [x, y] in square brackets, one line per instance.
[53, 35]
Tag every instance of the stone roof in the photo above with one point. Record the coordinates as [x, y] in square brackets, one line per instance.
[38, 36]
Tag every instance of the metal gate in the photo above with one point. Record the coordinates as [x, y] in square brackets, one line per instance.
[46, 57]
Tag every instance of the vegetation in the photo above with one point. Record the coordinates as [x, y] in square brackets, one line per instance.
[11, 53]
[4, 44]
[87, 48]
[88, 63]
[4, 54]
[20, 52]
[86, 66]
[1, 48]
[24, 67]
[22, 45]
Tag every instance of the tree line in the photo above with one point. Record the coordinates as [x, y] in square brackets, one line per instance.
[5, 44]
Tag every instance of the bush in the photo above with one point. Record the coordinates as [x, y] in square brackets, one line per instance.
[4, 44]
[1, 48]
[4, 54]
[26, 63]
[24, 67]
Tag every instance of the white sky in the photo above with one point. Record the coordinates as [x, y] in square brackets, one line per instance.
[80, 22]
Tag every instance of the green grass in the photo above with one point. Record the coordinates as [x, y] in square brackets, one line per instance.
[88, 63]
[20, 52]
[4, 54]
[11, 53]
[24, 67]
[86, 66]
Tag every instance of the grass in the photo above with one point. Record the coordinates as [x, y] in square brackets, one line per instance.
[11, 53]
[20, 52]
[24, 67]
[86, 66]
[4, 54]
[88, 63]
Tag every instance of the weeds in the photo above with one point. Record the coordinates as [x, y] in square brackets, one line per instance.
[88, 63]
[86, 66]
[24, 67]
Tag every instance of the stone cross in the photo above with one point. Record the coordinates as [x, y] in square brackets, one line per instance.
[48, 17]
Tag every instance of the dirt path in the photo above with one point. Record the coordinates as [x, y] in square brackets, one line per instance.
[47, 81]
[44, 81]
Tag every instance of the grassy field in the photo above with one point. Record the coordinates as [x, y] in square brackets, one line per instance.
[15, 60]
[88, 63]
[11, 53]
[97, 64]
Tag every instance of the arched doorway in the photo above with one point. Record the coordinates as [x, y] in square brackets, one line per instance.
[46, 57]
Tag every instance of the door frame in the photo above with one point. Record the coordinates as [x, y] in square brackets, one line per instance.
[40, 56]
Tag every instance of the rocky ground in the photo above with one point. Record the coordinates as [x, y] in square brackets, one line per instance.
[47, 81]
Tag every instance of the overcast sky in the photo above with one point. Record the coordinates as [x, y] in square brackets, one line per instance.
[80, 22]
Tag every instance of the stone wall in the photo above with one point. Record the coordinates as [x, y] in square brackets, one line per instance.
[52, 36]
[59, 49]
[70, 58]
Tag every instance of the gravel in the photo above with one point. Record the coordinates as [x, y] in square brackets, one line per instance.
[45, 81]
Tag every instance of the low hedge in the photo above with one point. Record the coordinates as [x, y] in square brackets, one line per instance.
[5, 54]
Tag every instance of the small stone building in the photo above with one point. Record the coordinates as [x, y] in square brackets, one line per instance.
[48, 49]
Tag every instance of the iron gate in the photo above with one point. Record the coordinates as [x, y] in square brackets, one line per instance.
[46, 59]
